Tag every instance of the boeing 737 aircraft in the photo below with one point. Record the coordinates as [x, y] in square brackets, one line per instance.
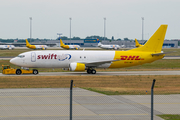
[43, 47]
[115, 47]
[137, 43]
[76, 47]
[9, 47]
[89, 60]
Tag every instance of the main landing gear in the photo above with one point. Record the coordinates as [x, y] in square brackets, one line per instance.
[91, 71]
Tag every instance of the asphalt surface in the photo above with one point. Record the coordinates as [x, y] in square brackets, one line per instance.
[53, 103]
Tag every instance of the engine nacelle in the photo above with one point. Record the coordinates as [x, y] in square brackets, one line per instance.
[77, 67]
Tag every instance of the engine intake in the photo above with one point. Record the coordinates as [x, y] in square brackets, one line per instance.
[77, 67]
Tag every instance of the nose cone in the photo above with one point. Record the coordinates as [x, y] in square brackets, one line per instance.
[13, 61]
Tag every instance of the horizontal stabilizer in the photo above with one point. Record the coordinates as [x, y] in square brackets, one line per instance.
[156, 54]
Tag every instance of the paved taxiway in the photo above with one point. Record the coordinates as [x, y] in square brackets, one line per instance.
[53, 103]
[102, 73]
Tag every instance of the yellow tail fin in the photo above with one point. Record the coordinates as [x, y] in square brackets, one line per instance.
[27, 43]
[61, 42]
[137, 43]
[155, 43]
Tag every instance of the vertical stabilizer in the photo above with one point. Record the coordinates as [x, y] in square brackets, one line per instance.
[27, 43]
[99, 43]
[155, 43]
[61, 42]
[137, 43]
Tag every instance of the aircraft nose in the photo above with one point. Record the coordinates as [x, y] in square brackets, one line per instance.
[13, 61]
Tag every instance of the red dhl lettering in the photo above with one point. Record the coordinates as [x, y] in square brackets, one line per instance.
[50, 56]
[131, 58]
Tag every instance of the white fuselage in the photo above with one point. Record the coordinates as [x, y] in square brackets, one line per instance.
[108, 46]
[61, 59]
[71, 47]
[41, 46]
[74, 46]
[7, 47]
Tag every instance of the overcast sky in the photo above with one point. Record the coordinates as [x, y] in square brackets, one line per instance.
[123, 18]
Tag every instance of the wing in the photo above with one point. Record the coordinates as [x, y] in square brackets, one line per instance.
[97, 63]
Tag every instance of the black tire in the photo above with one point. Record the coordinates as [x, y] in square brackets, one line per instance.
[93, 71]
[18, 72]
[88, 71]
[35, 72]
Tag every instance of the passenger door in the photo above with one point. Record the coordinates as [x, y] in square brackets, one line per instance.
[33, 57]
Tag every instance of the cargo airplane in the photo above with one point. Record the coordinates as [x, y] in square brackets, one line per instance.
[9, 47]
[137, 43]
[115, 47]
[89, 60]
[28, 45]
[76, 47]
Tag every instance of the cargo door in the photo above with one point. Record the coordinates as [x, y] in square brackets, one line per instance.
[33, 57]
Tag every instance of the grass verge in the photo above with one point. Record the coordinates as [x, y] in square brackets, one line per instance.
[122, 92]
[170, 117]
[110, 85]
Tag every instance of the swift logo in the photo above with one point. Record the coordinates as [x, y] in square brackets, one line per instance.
[50, 56]
[64, 57]
[55, 56]
[131, 58]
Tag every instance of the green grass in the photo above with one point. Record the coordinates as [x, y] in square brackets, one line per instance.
[160, 64]
[133, 92]
[103, 92]
[128, 92]
[175, 51]
[12, 53]
[170, 117]
[109, 85]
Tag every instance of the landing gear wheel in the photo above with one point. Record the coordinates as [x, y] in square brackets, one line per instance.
[93, 71]
[35, 72]
[18, 72]
[88, 71]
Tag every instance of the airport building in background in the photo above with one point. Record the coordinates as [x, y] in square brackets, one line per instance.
[91, 43]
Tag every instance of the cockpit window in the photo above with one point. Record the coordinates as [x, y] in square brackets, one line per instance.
[21, 56]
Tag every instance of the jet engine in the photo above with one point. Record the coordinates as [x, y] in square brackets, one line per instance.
[77, 67]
